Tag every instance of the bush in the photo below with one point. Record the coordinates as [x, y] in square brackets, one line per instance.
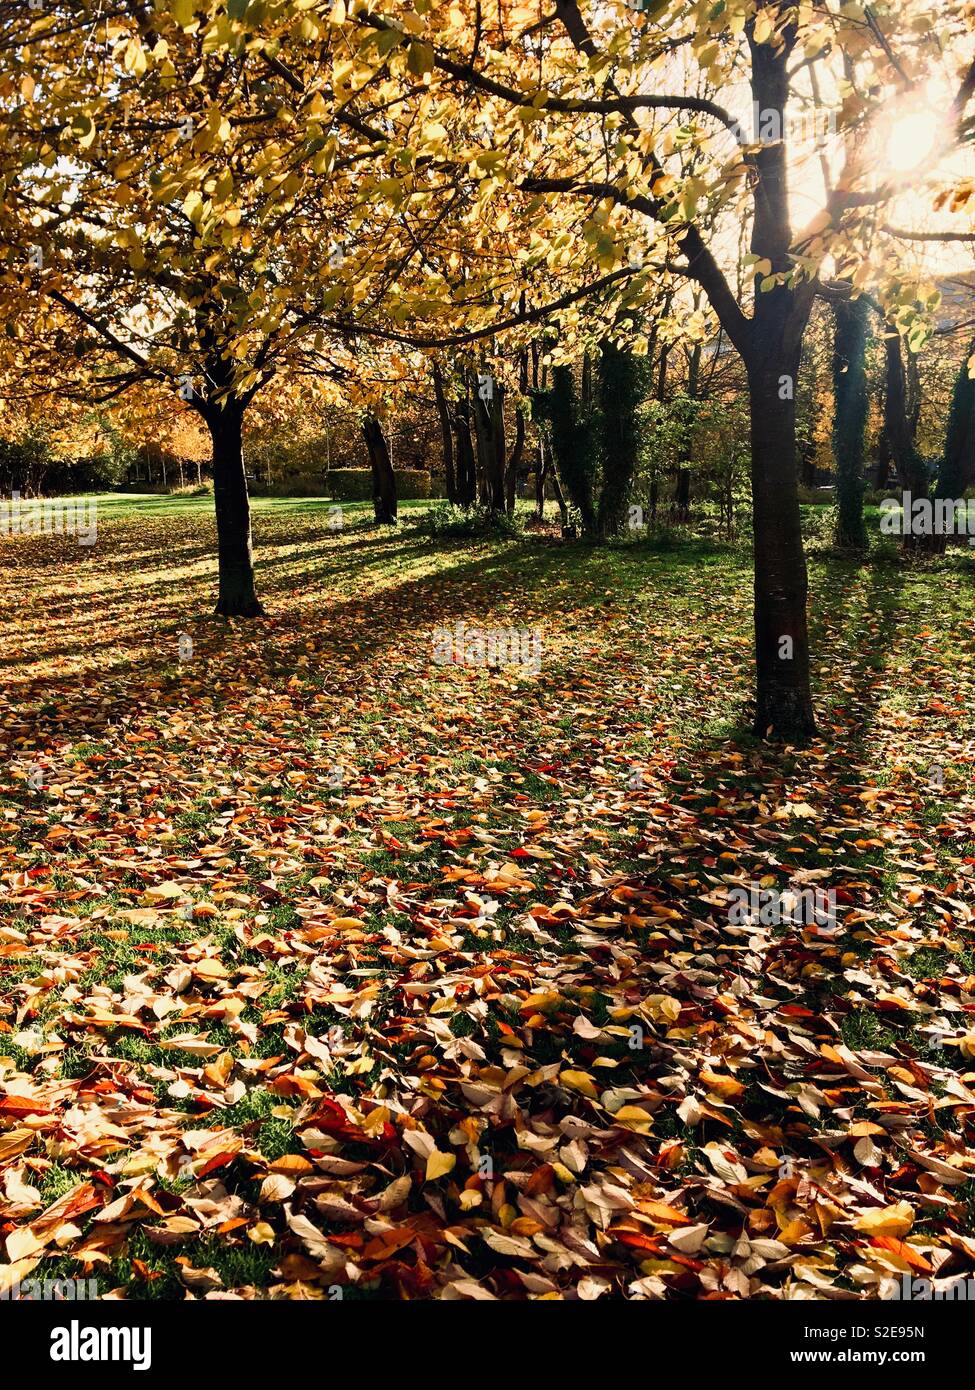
[817, 496]
[412, 483]
[30, 465]
[819, 527]
[350, 484]
[288, 484]
[466, 523]
[355, 484]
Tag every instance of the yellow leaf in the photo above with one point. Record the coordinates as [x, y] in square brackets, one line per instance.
[134, 58]
[419, 59]
[633, 1117]
[579, 1081]
[764, 25]
[165, 890]
[724, 1086]
[438, 1164]
[262, 1234]
[887, 1221]
[210, 968]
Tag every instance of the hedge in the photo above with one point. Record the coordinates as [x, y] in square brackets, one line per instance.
[355, 484]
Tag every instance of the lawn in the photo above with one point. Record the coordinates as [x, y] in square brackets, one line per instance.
[331, 971]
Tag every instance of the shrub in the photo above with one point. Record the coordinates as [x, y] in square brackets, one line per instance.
[288, 484]
[466, 523]
[30, 465]
[819, 527]
[412, 483]
[355, 484]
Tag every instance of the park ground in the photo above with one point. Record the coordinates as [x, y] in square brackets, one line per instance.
[329, 971]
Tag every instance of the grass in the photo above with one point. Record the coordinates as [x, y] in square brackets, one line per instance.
[466, 797]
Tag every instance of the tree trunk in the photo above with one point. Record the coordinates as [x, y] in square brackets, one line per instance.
[883, 462]
[850, 420]
[446, 432]
[682, 492]
[728, 506]
[541, 470]
[514, 466]
[621, 384]
[773, 347]
[573, 445]
[237, 596]
[911, 470]
[560, 501]
[518, 450]
[489, 433]
[899, 426]
[958, 460]
[957, 466]
[783, 700]
[383, 477]
[466, 466]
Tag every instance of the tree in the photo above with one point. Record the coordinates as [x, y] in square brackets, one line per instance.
[850, 419]
[565, 167]
[383, 477]
[487, 393]
[957, 469]
[447, 426]
[621, 390]
[507, 78]
[162, 232]
[572, 444]
[554, 84]
[913, 470]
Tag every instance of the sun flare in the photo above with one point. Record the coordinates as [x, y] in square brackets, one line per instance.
[912, 140]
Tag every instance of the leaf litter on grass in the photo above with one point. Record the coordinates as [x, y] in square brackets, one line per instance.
[330, 972]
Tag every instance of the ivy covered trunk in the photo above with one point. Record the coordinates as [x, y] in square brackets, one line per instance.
[957, 471]
[621, 381]
[899, 426]
[682, 490]
[521, 427]
[850, 419]
[573, 446]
